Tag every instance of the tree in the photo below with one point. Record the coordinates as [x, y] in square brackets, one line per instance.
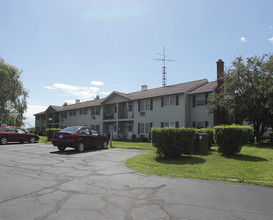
[270, 99]
[245, 93]
[13, 96]
[97, 97]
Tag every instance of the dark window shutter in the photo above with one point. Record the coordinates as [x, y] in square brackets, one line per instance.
[138, 105]
[206, 98]
[162, 124]
[194, 124]
[162, 101]
[151, 125]
[177, 99]
[177, 124]
[193, 100]
[138, 128]
[151, 104]
[206, 124]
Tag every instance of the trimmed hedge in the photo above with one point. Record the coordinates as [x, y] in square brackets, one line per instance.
[231, 138]
[270, 136]
[172, 142]
[50, 132]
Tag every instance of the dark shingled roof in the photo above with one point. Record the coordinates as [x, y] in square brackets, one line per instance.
[208, 87]
[192, 87]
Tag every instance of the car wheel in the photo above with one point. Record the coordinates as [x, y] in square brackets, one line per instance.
[61, 148]
[32, 140]
[4, 140]
[105, 145]
[80, 147]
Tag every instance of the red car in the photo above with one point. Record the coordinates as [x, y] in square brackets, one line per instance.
[15, 134]
[78, 137]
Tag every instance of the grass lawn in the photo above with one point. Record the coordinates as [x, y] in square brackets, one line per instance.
[132, 145]
[43, 139]
[254, 165]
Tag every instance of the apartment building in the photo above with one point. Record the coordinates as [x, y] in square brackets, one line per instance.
[179, 105]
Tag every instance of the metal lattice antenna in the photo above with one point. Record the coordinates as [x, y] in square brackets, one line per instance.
[164, 68]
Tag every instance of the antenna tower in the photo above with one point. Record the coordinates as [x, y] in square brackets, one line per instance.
[164, 68]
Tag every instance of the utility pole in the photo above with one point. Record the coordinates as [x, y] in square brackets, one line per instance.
[164, 68]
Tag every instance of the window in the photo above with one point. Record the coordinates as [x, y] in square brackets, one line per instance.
[200, 124]
[95, 111]
[142, 125]
[170, 100]
[10, 130]
[84, 131]
[166, 100]
[142, 105]
[172, 124]
[38, 117]
[83, 111]
[64, 114]
[145, 104]
[96, 127]
[147, 128]
[130, 128]
[72, 112]
[94, 132]
[200, 100]
[43, 117]
[144, 128]
[130, 107]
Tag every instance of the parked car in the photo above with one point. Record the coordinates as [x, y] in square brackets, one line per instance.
[79, 137]
[15, 134]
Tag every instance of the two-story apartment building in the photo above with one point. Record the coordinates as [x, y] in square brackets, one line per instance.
[179, 105]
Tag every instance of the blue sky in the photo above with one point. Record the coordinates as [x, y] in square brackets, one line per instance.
[72, 49]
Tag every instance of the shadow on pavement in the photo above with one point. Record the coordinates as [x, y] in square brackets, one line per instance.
[73, 151]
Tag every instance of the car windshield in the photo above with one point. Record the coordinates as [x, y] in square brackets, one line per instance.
[70, 129]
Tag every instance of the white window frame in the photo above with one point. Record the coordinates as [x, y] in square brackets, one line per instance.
[200, 100]
[200, 124]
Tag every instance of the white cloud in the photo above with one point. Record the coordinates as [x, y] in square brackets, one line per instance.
[243, 39]
[85, 93]
[97, 83]
[105, 93]
[31, 110]
[271, 40]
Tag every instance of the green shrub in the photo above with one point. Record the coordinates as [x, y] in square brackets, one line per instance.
[270, 136]
[210, 132]
[50, 132]
[134, 138]
[172, 142]
[231, 138]
[142, 139]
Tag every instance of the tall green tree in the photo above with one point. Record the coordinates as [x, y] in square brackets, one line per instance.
[13, 96]
[245, 93]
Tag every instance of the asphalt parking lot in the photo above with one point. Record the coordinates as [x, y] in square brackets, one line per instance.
[38, 182]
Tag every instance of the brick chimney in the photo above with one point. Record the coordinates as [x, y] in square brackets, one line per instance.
[144, 88]
[220, 72]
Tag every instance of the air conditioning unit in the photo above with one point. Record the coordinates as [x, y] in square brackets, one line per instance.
[142, 113]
